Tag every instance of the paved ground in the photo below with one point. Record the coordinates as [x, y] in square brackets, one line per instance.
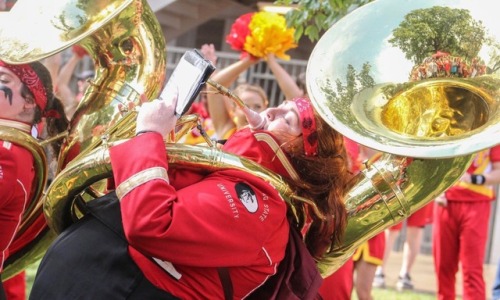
[423, 275]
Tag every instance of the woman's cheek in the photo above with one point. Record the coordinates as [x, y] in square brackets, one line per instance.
[276, 126]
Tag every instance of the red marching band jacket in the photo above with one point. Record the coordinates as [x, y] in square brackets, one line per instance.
[182, 226]
[17, 172]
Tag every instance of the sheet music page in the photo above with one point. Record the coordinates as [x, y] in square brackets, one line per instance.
[185, 79]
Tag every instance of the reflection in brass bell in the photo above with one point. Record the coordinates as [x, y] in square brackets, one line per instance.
[417, 80]
[361, 77]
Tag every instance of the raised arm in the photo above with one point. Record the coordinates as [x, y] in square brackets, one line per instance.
[285, 81]
[53, 64]
[229, 74]
[66, 94]
[217, 107]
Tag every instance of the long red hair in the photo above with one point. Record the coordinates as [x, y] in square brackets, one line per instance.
[324, 178]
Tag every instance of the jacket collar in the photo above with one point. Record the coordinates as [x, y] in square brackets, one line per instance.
[261, 147]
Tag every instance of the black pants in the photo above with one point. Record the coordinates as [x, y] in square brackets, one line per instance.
[90, 260]
[2, 291]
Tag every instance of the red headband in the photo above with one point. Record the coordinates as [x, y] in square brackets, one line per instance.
[309, 132]
[29, 77]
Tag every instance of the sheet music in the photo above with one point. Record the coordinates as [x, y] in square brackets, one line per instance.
[187, 79]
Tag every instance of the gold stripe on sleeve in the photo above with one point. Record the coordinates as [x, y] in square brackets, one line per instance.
[140, 178]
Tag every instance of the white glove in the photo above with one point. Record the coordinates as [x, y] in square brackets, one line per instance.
[157, 115]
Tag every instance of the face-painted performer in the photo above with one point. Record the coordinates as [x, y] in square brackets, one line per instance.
[25, 94]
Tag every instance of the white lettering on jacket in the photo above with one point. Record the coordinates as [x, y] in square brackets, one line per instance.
[230, 200]
[265, 211]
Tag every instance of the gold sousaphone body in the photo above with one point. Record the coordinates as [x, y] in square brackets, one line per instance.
[359, 77]
[127, 46]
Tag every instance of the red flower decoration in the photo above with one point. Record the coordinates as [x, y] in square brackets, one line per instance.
[258, 34]
[239, 32]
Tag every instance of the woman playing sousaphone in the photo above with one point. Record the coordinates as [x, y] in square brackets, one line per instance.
[168, 233]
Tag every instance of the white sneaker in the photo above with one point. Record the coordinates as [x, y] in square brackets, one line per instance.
[379, 281]
[404, 283]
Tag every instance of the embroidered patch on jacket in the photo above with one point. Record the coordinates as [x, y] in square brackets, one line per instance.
[247, 197]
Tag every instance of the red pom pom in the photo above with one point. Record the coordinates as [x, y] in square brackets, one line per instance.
[239, 31]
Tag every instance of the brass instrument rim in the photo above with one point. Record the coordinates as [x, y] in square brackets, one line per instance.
[26, 39]
[418, 147]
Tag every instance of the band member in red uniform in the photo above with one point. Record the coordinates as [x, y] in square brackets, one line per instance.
[25, 91]
[175, 230]
[460, 227]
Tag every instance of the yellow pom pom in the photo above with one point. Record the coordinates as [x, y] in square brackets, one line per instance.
[269, 34]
